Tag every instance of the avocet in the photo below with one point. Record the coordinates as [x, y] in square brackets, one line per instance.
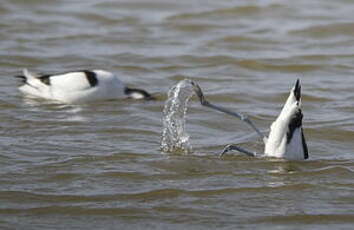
[78, 86]
[286, 137]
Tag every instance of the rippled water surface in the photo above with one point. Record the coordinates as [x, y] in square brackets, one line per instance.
[99, 166]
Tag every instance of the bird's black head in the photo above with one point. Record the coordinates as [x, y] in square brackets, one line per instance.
[138, 94]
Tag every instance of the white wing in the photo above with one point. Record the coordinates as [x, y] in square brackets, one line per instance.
[73, 81]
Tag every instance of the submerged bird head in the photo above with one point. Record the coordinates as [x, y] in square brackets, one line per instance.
[286, 138]
[138, 94]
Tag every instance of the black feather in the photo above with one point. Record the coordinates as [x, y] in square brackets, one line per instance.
[295, 122]
[91, 78]
[146, 95]
[304, 145]
[23, 78]
[297, 90]
[45, 79]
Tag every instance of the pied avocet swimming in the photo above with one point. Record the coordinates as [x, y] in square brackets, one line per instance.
[286, 137]
[78, 86]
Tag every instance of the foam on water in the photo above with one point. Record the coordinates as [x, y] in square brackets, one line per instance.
[174, 135]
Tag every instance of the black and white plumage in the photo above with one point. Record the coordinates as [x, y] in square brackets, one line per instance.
[78, 86]
[286, 137]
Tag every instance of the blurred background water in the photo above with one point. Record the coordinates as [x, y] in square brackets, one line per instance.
[99, 166]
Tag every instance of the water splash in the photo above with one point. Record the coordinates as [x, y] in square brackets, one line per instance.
[174, 136]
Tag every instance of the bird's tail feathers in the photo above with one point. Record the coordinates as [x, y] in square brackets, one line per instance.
[29, 74]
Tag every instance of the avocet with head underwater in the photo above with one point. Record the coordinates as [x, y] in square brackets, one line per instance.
[286, 137]
[78, 86]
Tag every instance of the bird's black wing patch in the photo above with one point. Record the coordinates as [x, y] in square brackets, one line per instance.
[91, 78]
[304, 145]
[295, 122]
[23, 78]
[45, 79]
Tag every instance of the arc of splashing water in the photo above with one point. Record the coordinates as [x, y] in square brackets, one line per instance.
[174, 135]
